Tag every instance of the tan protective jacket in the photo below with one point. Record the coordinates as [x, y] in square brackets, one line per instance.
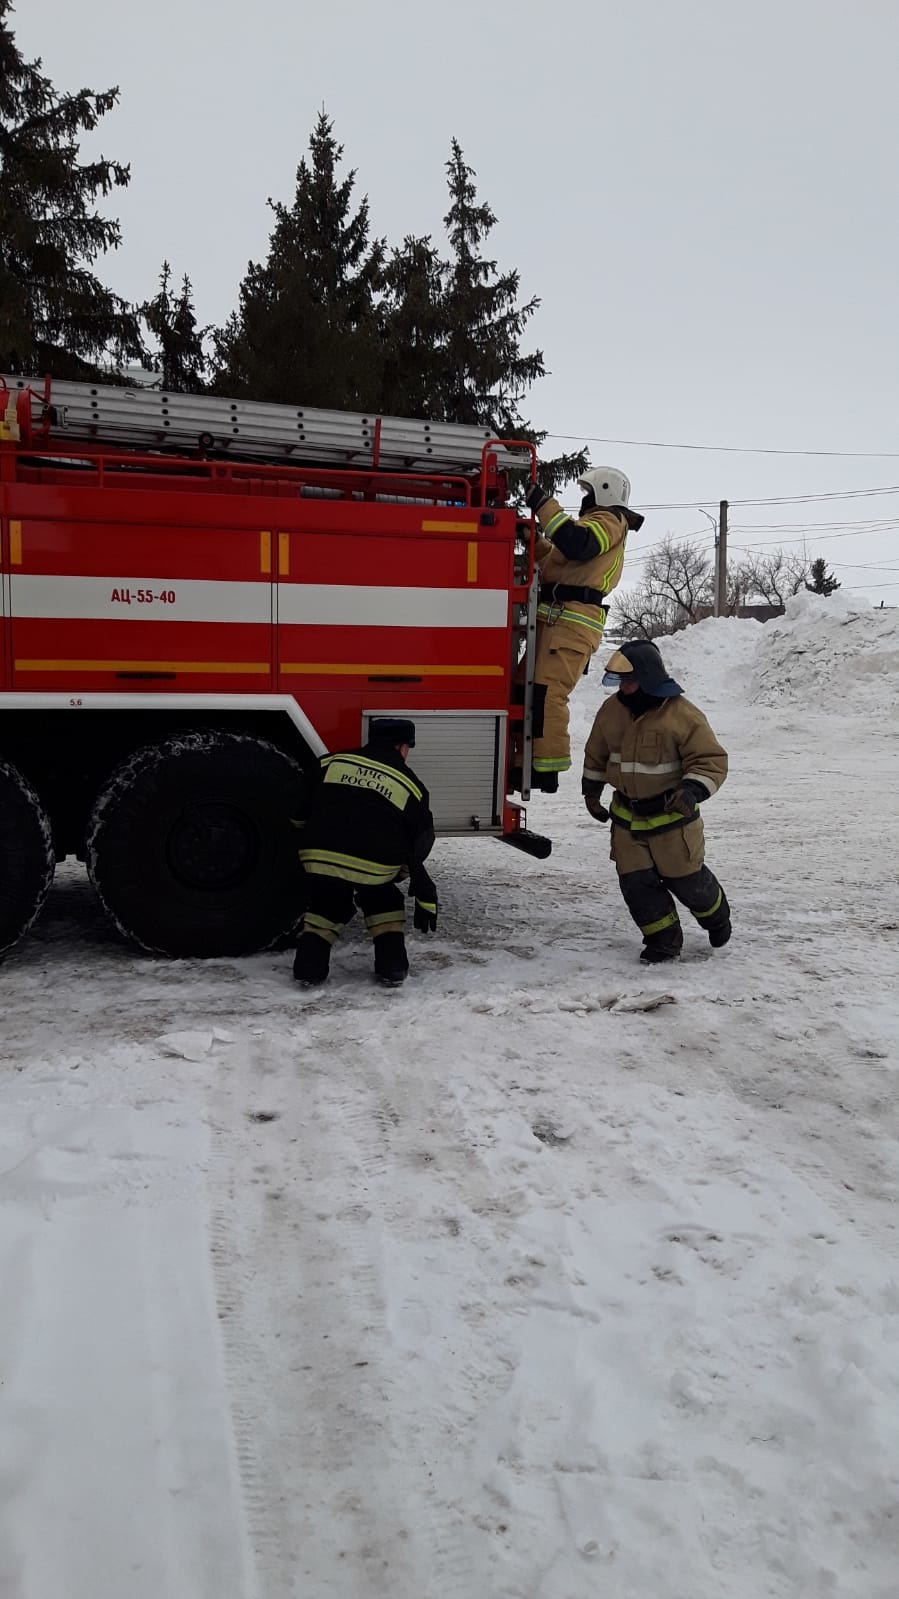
[601, 571]
[646, 756]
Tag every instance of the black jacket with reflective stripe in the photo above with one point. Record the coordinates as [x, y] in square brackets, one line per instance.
[369, 803]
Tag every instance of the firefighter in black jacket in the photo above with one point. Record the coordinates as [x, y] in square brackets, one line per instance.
[368, 825]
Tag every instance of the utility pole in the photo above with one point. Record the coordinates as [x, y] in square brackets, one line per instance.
[721, 562]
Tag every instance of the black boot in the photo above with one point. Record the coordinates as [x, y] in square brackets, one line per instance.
[654, 954]
[391, 960]
[312, 960]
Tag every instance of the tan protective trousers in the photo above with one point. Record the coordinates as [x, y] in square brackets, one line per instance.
[564, 651]
[653, 873]
[677, 853]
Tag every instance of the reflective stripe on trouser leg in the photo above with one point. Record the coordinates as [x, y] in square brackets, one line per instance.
[383, 908]
[563, 651]
[329, 931]
[702, 894]
[652, 908]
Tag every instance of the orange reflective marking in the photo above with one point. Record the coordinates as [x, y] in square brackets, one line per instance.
[265, 552]
[380, 669]
[283, 554]
[472, 563]
[15, 544]
[449, 527]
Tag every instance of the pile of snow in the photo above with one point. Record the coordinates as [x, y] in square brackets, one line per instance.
[833, 652]
[715, 659]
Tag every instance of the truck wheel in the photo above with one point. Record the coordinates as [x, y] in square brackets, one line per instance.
[26, 856]
[190, 845]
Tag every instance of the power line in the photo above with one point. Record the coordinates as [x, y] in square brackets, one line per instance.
[864, 524]
[822, 538]
[776, 499]
[772, 499]
[727, 449]
[864, 566]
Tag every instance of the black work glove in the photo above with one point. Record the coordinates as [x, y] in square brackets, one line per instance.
[535, 497]
[424, 918]
[596, 808]
[592, 792]
[687, 797]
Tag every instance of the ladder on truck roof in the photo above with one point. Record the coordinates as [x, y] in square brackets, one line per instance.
[34, 409]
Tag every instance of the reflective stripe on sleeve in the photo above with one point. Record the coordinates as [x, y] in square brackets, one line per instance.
[561, 517]
[707, 782]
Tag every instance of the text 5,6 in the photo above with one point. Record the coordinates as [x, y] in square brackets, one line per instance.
[142, 597]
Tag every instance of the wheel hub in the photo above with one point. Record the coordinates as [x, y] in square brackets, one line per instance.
[213, 845]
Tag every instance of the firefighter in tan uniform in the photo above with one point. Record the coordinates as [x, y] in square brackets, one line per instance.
[663, 760]
[580, 562]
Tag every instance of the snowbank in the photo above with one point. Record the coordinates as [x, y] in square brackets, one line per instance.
[830, 652]
[835, 653]
[714, 659]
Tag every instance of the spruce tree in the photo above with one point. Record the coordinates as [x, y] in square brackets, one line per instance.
[823, 582]
[414, 326]
[55, 315]
[179, 356]
[306, 331]
[485, 373]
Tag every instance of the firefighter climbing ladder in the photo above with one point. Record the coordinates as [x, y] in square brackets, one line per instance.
[244, 429]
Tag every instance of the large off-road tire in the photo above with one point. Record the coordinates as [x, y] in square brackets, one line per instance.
[26, 856]
[190, 845]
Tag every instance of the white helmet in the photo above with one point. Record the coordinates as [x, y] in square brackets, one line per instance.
[610, 487]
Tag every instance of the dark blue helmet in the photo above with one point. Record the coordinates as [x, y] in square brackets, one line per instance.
[641, 659]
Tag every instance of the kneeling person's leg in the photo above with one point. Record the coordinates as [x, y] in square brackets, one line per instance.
[385, 916]
[329, 905]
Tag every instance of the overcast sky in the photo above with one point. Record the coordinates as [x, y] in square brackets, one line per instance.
[702, 192]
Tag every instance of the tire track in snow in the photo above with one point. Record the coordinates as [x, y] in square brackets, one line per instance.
[316, 1385]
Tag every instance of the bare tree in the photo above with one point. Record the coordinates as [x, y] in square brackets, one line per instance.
[675, 588]
[640, 613]
[775, 577]
[740, 586]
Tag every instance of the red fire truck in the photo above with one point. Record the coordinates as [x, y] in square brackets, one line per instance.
[198, 597]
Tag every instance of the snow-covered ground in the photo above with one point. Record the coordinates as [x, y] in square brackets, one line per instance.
[502, 1286]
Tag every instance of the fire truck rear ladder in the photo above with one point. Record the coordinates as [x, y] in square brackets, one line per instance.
[244, 429]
